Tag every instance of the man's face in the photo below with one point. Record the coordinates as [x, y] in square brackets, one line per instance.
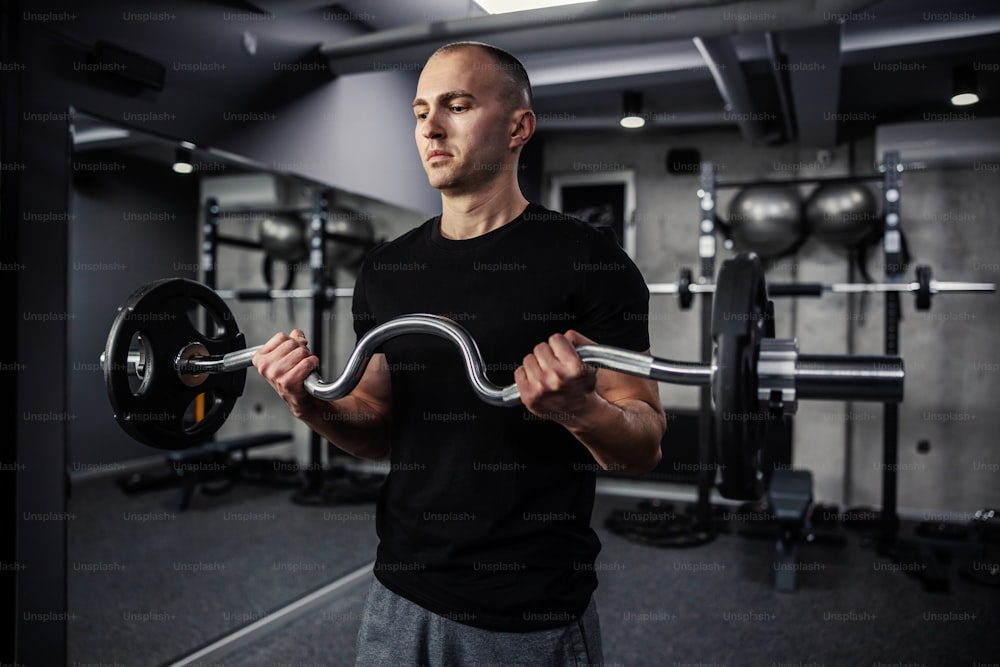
[463, 131]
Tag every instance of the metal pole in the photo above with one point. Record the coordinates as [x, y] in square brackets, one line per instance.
[317, 249]
[893, 247]
[706, 415]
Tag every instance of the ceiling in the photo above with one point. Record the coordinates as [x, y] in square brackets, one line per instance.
[811, 72]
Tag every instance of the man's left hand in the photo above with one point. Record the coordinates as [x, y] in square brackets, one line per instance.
[554, 383]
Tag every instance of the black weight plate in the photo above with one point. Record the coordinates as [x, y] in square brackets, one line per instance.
[684, 294]
[923, 295]
[741, 317]
[658, 525]
[156, 412]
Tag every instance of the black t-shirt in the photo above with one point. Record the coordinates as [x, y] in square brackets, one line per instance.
[485, 515]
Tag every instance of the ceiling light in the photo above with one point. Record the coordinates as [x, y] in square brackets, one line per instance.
[507, 6]
[182, 161]
[88, 135]
[965, 90]
[632, 111]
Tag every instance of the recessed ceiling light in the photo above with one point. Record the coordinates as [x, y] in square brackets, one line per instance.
[632, 117]
[965, 87]
[964, 99]
[507, 6]
[182, 161]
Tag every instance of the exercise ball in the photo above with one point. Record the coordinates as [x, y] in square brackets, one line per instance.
[350, 234]
[283, 237]
[842, 213]
[766, 219]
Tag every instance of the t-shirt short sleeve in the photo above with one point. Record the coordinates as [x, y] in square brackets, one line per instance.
[364, 318]
[615, 300]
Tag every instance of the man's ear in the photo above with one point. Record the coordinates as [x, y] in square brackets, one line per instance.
[523, 127]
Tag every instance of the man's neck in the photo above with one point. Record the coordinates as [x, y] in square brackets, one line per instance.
[470, 215]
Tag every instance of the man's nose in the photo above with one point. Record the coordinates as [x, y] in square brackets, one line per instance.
[432, 127]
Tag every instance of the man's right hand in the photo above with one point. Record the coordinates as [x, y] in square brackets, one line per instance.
[357, 423]
[285, 362]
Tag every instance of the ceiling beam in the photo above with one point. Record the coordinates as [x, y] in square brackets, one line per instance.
[812, 62]
[724, 65]
[781, 84]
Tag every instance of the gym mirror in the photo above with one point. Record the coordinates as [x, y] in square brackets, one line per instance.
[162, 567]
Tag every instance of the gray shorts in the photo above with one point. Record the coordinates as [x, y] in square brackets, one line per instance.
[396, 632]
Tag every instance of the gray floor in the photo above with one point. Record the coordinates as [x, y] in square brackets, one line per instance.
[709, 605]
[148, 583]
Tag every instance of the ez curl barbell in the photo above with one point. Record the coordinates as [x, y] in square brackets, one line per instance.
[157, 363]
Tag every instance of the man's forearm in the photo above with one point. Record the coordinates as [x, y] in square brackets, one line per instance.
[352, 425]
[623, 436]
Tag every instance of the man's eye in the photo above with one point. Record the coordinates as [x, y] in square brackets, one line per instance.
[422, 115]
[458, 108]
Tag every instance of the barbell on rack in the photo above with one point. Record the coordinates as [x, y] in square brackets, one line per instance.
[157, 364]
[923, 288]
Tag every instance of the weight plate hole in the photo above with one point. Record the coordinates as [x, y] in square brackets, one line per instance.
[140, 357]
[206, 321]
[202, 407]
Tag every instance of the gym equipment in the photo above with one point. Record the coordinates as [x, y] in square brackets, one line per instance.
[219, 465]
[283, 236]
[349, 235]
[790, 497]
[845, 214]
[657, 523]
[745, 322]
[985, 569]
[923, 287]
[755, 379]
[151, 403]
[685, 293]
[766, 219]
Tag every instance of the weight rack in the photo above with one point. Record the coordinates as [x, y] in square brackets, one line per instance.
[888, 543]
[320, 293]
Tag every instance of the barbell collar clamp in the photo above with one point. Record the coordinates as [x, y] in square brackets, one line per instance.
[776, 375]
[786, 376]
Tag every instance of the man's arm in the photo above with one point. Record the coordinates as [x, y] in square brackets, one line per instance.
[358, 423]
[617, 417]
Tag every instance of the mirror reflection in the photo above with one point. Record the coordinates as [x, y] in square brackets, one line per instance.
[169, 551]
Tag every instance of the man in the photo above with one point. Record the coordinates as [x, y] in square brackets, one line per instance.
[486, 553]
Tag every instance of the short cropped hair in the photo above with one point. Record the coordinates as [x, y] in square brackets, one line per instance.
[517, 94]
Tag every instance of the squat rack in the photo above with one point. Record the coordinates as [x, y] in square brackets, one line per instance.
[895, 264]
[892, 244]
[319, 292]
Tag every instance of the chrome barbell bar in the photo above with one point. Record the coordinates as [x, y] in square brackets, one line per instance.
[936, 287]
[870, 378]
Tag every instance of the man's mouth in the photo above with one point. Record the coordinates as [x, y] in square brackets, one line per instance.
[437, 155]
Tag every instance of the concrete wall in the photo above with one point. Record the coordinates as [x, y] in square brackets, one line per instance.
[950, 351]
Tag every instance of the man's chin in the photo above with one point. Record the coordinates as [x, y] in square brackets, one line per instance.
[440, 181]
[436, 176]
